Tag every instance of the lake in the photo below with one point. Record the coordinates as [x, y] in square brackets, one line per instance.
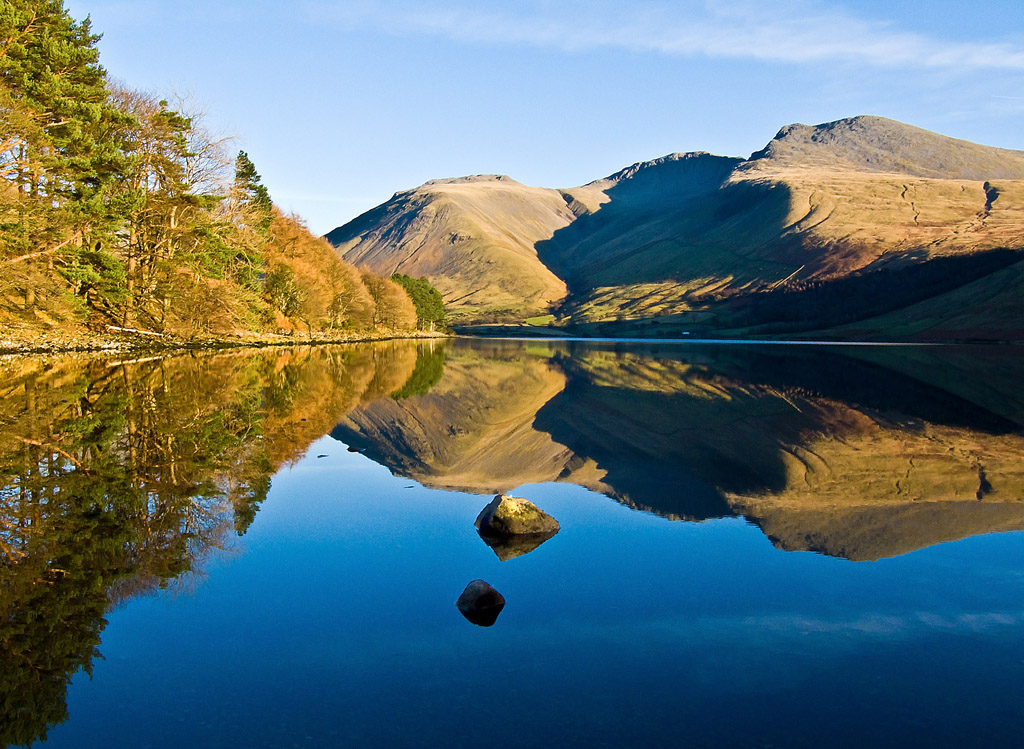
[760, 545]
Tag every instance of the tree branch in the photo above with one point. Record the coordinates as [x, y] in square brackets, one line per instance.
[37, 443]
[77, 235]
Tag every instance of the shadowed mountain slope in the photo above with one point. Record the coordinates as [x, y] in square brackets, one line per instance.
[680, 241]
[817, 205]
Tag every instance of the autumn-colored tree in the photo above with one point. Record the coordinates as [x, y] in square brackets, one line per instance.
[308, 281]
[394, 308]
[351, 306]
[180, 244]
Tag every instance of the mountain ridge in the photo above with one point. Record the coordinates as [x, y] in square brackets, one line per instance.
[877, 144]
[684, 241]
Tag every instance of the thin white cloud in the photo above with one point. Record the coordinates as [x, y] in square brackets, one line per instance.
[790, 32]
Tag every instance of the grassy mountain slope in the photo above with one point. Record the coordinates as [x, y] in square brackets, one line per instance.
[817, 204]
[473, 237]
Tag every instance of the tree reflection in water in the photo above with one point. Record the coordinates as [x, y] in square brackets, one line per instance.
[120, 478]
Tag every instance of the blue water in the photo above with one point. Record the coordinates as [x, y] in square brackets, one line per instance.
[332, 623]
[143, 559]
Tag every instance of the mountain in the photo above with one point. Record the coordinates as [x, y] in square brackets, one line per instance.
[891, 220]
[474, 237]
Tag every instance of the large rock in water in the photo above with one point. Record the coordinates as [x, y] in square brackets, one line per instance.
[512, 526]
[480, 603]
[512, 516]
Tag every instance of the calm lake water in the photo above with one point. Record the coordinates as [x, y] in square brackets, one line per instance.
[760, 546]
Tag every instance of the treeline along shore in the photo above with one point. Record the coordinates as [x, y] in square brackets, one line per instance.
[124, 222]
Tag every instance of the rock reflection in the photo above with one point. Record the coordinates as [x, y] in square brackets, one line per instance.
[510, 547]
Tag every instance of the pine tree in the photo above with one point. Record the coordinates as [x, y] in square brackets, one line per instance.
[50, 65]
[430, 312]
[252, 195]
[66, 155]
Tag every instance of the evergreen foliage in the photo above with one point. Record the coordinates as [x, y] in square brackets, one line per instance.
[430, 312]
[252, 194]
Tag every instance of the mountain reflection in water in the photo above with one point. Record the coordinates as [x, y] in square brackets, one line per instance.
[854, 452]
[120, 478]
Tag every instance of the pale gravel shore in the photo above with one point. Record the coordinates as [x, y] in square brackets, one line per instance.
[52, 342]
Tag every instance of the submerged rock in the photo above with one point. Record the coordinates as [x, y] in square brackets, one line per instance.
[513, 516]
[480, 603]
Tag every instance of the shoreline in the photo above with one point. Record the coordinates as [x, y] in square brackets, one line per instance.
[527, 332]
[47, 343]
[27, 342]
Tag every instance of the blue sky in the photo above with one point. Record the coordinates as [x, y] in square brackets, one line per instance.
[340, 104]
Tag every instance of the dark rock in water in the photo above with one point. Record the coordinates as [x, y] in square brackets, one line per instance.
[512, 516]
[355, 449]
[480, 603]
[510, 547]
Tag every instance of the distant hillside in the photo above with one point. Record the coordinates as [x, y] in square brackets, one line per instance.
[475, 238]
[708, 244]
[632, 211]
